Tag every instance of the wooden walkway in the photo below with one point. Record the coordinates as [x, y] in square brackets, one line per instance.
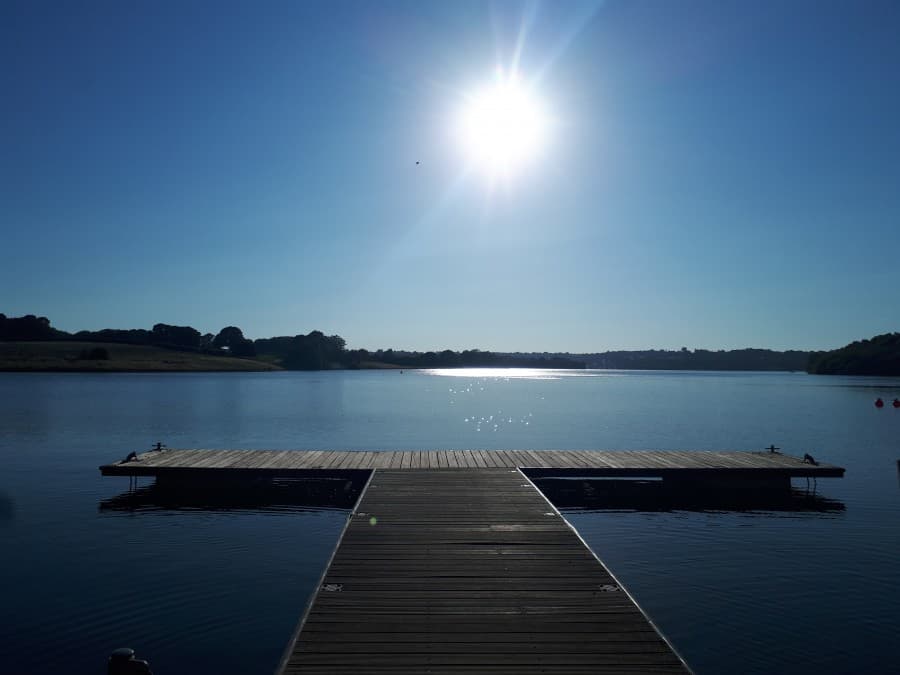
[453, 562]
[469, 571]
[635, 463]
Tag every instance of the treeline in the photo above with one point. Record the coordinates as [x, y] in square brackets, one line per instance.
[29, 327]
[314, 351]
[36, 328]
[701, 359]
[879, 355]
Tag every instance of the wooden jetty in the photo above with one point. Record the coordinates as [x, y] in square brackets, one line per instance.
[454, 562]
[469, 571]
[598, 463]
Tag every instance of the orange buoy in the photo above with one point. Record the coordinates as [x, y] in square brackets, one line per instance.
[896, 403]
[879, 403]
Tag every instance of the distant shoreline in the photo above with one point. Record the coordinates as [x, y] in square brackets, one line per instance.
[101, 357]
[72, 356]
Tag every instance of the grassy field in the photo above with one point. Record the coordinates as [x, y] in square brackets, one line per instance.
[69, 356]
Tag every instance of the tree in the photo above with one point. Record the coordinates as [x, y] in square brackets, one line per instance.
[232, 338]
[28, 327]
[176, 336]
[879, 355]
[315, 351]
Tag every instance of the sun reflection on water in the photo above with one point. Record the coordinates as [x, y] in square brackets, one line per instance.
[516, 373]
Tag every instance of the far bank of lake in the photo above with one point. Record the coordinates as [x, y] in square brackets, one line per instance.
[73, 356]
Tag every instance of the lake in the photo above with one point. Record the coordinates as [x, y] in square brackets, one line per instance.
[215, 589]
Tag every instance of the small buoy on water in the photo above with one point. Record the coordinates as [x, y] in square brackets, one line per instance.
[896, 403]
[879, 403]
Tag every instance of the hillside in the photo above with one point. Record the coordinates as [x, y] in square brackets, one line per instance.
[879, 355]
[64, 356]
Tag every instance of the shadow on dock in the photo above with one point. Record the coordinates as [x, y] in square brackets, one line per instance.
[656, 495]
[281, 494]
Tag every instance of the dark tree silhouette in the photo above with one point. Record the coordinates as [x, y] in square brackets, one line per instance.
[28, 327]
[135, 336]
[176, 336]
[879, 355]
[232, 338]
[314, 351]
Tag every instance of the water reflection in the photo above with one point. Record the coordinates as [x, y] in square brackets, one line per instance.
[7, 508]
[655, 495]
[518, 373]
[230, 405]
[27, 406]
[282, 494]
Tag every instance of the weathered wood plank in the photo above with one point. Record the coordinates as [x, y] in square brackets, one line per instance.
[417, 589]
[596, 462]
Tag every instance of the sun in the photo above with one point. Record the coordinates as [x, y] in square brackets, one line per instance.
[502, 127]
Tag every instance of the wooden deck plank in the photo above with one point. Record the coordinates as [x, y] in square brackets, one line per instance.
[347, 459]
[489, 459]
[504, 458]
[235, 460]
[518, 457]
[687, 460]
[595, 458]
[581, 459]
[600, 462]
[276, 459]
[327, 459]
[335, 459]
[354, 459]
[416, 591]
[308, 460]
[535, 459]
[725, 460]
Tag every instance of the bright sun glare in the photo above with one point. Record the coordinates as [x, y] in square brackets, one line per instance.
[502, 127]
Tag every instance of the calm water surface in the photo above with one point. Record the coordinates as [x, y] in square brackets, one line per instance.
[220, 590]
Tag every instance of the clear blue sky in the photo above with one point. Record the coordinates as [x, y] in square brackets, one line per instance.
[720, 174]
